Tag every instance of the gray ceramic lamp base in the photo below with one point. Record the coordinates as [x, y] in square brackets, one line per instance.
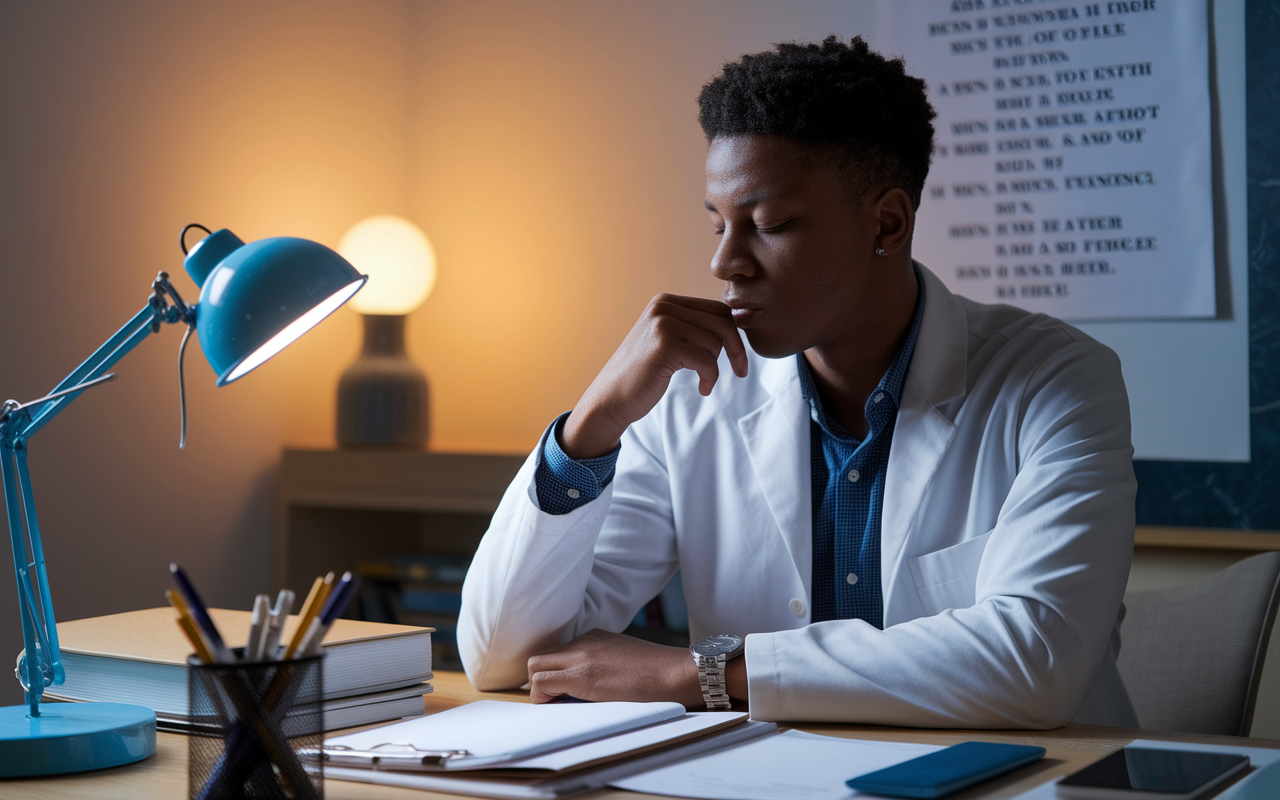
[383, 397]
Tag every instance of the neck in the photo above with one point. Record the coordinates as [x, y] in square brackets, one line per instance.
[847, 369]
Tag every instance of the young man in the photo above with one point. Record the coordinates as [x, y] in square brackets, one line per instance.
[915, 508]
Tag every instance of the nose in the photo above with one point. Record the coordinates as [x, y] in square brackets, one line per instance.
[733, 257]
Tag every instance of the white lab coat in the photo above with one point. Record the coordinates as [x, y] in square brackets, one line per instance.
[1006, 536]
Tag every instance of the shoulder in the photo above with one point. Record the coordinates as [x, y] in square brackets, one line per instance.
[1012, 340]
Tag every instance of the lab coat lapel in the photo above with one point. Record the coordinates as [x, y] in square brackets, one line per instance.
[922, 431]
[776, 435]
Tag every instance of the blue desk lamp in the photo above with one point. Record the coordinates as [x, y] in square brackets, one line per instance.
[254, 300]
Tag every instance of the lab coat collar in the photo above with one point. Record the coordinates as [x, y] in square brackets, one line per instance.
[776, 435]
[923, 431]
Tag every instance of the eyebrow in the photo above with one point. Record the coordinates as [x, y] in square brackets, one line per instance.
[749, 200]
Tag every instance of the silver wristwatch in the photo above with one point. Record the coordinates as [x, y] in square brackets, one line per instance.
[710, 654]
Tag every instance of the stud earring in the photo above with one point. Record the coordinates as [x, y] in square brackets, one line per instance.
[879, 251]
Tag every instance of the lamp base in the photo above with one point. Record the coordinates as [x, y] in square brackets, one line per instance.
[383, 397]
[74, 737]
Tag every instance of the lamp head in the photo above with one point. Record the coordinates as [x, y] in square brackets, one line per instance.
[397, 257]
[257, 298]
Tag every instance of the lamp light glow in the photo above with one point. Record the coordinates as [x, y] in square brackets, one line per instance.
[295, 329]
[397, 257]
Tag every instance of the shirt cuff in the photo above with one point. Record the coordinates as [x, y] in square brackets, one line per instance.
[563, 484]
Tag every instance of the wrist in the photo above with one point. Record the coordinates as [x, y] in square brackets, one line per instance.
[588, 434]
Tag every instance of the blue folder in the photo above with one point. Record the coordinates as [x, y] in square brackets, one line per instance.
[946, 771]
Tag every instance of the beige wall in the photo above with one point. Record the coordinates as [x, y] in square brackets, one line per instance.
[558, 167]
[122, 122]
[550, 150]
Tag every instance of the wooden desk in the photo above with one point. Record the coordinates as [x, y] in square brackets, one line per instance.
[165, 774]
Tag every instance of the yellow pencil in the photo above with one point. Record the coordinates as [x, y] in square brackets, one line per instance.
[189, 627]
[315, 601]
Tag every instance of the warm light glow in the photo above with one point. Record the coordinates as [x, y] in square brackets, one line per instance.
[295, 329]
[399, 260]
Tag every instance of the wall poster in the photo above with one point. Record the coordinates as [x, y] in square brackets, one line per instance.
[1073, 171]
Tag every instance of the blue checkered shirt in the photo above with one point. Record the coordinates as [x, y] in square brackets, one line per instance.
[848, 493]
[848, 489]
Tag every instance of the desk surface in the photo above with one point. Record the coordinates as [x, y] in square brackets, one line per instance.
[165, 774]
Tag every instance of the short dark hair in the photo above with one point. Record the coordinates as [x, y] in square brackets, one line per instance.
[830, 95]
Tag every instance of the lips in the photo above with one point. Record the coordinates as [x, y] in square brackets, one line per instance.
[743, 314]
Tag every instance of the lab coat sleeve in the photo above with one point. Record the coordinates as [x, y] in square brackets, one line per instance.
[541, 579]
[1048, 586]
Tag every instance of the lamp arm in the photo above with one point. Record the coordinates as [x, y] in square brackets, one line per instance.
[145, 322]
[41, 664]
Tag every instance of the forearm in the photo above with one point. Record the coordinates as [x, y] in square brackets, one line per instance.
[526, 585]
[1010, 663]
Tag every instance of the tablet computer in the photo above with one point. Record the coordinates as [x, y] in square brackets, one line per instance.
[1139, 773]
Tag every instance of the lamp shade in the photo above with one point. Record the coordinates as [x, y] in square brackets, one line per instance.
[397, 257]
[257, 298]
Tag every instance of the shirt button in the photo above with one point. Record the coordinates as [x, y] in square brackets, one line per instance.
[854, 475]
[851, 579]
[797, 607]
[573, 494]
[879, 396]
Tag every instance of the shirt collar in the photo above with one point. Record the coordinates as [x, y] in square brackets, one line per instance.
[888, 392]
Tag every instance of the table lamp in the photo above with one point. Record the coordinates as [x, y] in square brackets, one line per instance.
[254, 300]
[383, 397]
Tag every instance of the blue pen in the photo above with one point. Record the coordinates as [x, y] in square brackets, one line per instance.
[200, 613]
[338, 600]
[333, 608]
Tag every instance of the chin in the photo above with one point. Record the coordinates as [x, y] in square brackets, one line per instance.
[770, 346]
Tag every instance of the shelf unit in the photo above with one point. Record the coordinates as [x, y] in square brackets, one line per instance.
[337, 508]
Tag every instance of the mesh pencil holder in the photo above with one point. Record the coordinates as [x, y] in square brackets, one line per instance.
[257, 729]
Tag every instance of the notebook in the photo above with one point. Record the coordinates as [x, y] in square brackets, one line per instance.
[140, 657]
[567, 749]
[491, 732]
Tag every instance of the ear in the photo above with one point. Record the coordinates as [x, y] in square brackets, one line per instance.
[897, 221]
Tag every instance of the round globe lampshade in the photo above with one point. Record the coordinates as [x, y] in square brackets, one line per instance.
[397, 257]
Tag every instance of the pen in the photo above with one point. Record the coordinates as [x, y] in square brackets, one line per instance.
[269, 649]
[315, 600]
[253, 647]
[319, 628]
[198, 611]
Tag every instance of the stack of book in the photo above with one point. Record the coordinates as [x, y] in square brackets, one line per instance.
[423, 590]
[372, 672]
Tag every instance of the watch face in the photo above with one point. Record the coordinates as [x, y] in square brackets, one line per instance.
[722, 644]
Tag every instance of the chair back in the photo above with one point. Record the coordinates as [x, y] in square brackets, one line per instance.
[1191, 656]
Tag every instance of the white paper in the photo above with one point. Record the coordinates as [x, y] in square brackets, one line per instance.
[781, 767]
[626, 742]
[1258, 757]
[1073, 169]
[475, 783]
[496, 731]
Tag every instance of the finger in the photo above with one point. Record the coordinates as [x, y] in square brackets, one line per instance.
[721, 326]
[671, 330]
[683, 355]
[703, 304]
[547, 686]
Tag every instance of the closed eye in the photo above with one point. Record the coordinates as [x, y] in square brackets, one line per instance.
[781, 226]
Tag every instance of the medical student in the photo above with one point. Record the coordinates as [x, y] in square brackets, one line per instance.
[914, 508]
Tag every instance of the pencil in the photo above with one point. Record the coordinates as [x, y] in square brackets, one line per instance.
[315, 601]
[189, 627]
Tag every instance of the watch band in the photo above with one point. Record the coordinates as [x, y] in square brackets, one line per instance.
[711, 679]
